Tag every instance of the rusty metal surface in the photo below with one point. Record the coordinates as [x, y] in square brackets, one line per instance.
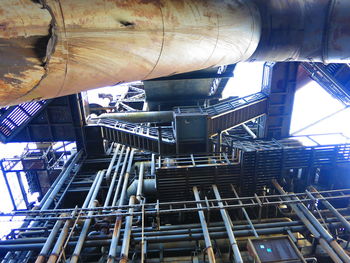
[96, 43]
[24, 28]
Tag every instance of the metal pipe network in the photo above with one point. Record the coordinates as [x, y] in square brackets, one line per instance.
[54, 48]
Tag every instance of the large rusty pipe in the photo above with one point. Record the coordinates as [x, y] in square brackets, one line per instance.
[63, 47]
[97, 43]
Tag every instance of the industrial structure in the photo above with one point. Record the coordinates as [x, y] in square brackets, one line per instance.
[168, 170]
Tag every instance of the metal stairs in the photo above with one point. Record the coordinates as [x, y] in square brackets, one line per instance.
[136, 135]
[14, 118]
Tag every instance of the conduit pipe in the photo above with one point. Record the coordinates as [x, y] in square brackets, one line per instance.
[127, 233]
[208, 245]
[110, 167]
[111, 187]
[228, 224]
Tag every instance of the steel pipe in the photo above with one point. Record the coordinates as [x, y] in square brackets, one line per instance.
[228, 226]
[140, 183]
[114, 178]
[93, 43]
[325, 245]
[121, 176]
[127, 234]
[331, 208]
[208, 245]
[60, 241]
[110, 167]
[47, 246]
[83, 234]
[118, 222]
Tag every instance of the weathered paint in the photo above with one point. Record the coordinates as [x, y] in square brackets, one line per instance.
[96, 43]
[24, 30]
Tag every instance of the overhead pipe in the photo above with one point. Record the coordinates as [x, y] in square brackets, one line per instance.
[323, 232]
[228, 224]
[208, 245]
[140, 116]
[64, 47]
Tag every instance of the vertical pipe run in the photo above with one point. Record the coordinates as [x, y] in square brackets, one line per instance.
[45, 250]
[127, 233]
[60, 241]
[111, 187]
[92, 189]
[110, 167]
[228, 224]
[245, 212]
[140, 182]
[92, 204]
[209, 247]
[118, 222]
[83, 234]
[121, 176]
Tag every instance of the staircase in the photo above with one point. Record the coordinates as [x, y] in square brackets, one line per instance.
[136, 135]
[13, 119]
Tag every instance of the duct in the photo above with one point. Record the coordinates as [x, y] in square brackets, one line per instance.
[141, 116]
[97, 43]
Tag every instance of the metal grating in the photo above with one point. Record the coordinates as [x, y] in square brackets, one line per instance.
[15, 118]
